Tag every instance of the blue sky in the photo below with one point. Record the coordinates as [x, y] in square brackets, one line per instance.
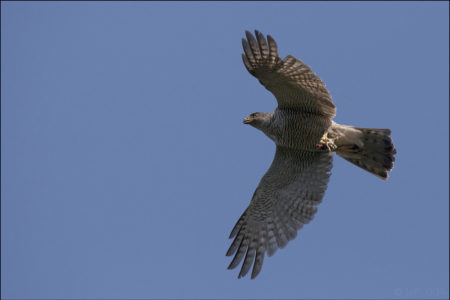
[125, 163]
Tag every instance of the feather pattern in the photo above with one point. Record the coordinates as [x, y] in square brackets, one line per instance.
[291, 81]
[280, 206]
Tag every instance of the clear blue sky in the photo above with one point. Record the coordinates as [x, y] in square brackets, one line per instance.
[125, 163]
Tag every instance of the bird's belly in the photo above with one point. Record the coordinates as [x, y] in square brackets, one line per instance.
[300, 131]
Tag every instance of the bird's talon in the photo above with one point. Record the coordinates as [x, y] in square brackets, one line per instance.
[331, 146]
[328, 143]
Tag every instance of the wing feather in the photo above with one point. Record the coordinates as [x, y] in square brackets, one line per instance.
[271, 239]
[246, 62]
[259, 258]
[250, 256]
[235, 245]
[240, 254]
[253, 46]
[264, 49]
[238, 225]
[286, 198]
[273, 51]
[294, 84]
[248, 53]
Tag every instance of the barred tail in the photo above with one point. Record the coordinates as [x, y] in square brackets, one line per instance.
[369, 148]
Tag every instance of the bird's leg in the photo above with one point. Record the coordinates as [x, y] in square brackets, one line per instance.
[326, 142]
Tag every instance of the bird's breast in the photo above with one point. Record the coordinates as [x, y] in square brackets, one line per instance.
[299, 130]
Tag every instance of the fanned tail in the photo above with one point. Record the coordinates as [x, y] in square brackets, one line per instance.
[369, 148]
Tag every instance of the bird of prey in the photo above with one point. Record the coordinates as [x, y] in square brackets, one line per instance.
[306, 138]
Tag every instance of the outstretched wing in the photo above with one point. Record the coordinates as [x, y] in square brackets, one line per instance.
[291, 81]
[286, 198]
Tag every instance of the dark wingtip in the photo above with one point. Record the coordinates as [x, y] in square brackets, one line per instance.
[231, 266]
[255, 272]
[242, 274]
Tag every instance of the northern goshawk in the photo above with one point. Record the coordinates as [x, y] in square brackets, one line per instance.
[306, 138]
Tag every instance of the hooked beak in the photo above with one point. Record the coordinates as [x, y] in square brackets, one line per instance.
[247, 120]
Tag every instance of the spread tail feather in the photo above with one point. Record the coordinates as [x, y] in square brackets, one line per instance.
[369, 148]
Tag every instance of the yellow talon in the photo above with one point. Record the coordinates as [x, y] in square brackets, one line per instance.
[329, 143]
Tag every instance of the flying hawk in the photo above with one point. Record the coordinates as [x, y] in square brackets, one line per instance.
[306, 138]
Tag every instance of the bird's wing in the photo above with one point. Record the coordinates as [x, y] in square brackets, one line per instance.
[291, 81]
[286, 198]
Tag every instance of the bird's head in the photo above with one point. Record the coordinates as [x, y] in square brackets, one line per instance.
[258, 120]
